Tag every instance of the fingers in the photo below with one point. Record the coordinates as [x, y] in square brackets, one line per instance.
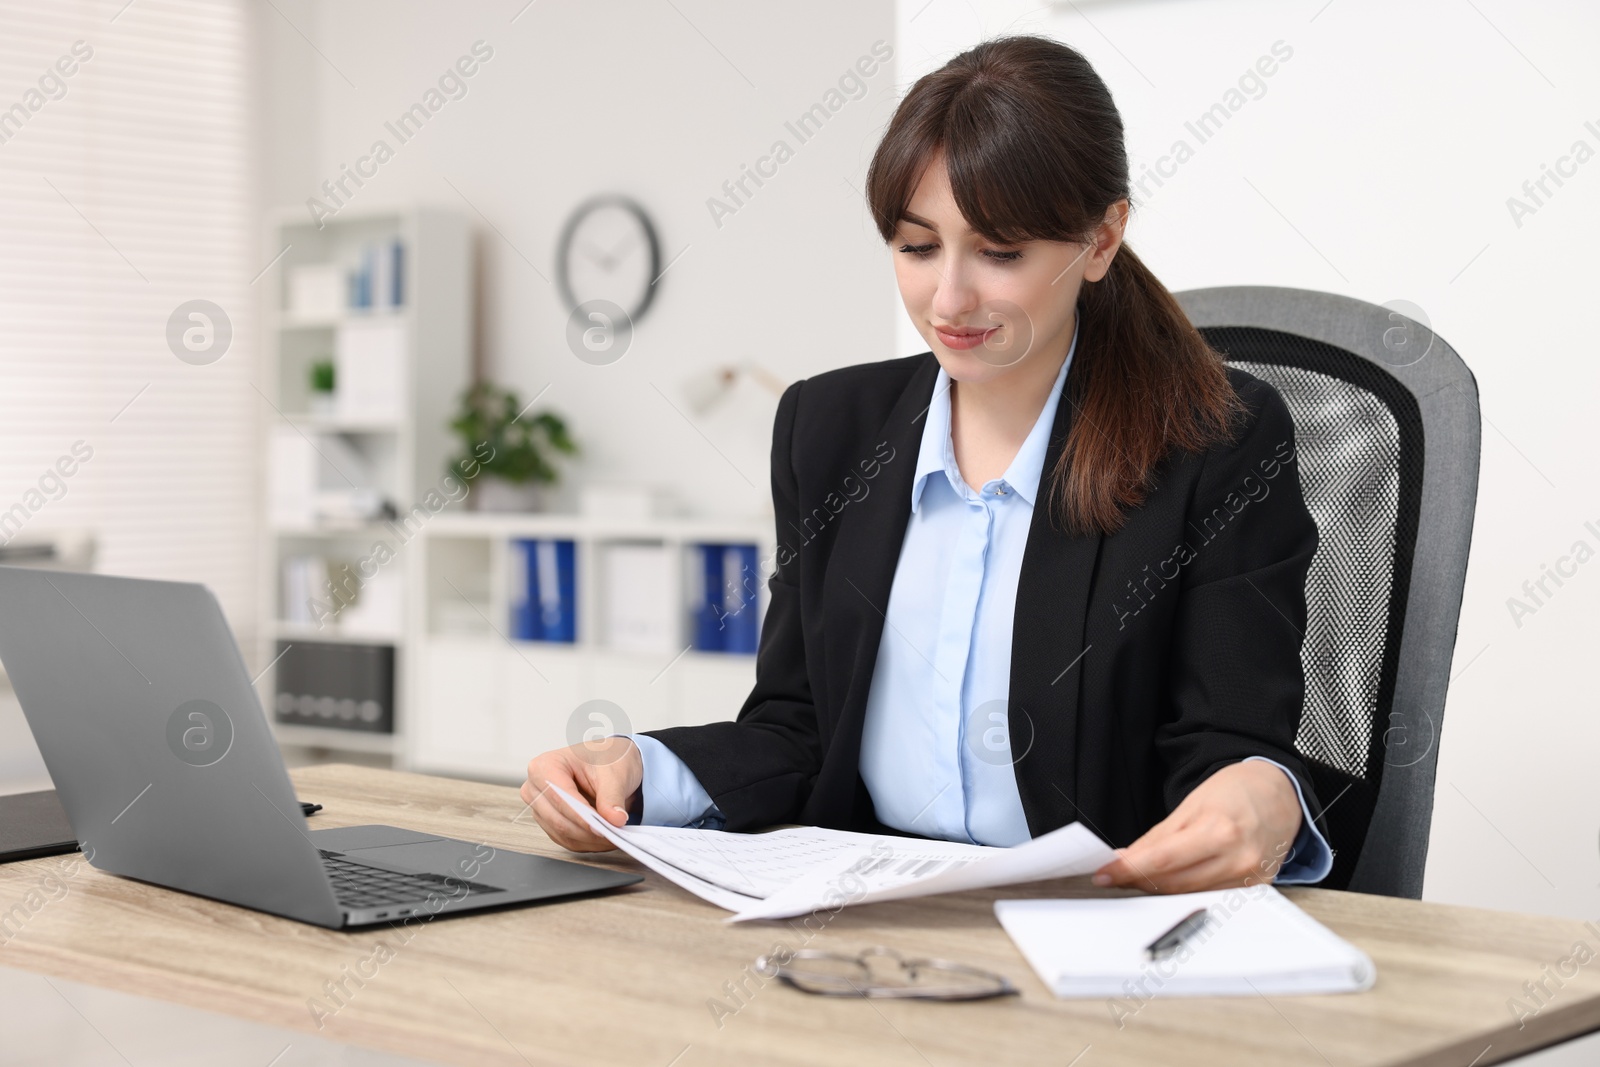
[1234, 828]
[1209, 872]
[1216, 872]
[1131, 867]
[608, 772]
[1127, 871]
[563, 825]
[1174, 853]
[1158, 863]
[595, 788]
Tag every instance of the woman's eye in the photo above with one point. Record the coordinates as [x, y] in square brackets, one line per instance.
[923, 251]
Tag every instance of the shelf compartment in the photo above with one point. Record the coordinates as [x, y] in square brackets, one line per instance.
[321, 684]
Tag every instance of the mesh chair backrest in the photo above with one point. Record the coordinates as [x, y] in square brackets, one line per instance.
[1359, 437]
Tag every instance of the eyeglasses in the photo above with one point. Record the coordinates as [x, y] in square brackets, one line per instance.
[835, 974]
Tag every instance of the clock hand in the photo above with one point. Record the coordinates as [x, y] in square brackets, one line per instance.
[598, 256]
[616, 253]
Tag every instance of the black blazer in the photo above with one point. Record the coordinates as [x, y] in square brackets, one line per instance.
[1141, 662]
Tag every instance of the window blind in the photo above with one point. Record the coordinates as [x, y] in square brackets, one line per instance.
[124, 197]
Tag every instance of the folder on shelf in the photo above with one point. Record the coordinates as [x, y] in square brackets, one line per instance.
[544, 591]
[725, 604]
[377, 282]
[740, 591]
[397, 271]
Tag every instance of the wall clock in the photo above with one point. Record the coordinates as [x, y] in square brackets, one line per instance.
[609, 251]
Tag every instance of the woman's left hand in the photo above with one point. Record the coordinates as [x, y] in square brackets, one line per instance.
[1234, 829]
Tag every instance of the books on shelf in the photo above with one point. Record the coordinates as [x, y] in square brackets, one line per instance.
[544, 593]
[377, 282]
[332, 593]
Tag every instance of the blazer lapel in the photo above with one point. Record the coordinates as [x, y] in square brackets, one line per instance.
[1048, 651]
[865, 554]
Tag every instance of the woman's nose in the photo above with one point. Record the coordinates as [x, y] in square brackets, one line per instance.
[955, 297]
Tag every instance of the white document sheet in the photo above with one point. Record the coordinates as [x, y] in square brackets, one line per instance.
[796, 871]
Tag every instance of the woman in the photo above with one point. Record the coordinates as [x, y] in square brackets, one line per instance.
[1051, 570]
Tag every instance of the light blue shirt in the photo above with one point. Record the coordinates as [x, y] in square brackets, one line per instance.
[935, 755]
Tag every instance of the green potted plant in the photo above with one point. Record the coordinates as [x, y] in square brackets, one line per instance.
[322, 386]
[513, 457]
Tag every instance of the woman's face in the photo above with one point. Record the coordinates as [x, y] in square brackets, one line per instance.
[985, 309]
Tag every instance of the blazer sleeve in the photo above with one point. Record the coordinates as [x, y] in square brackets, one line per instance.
[1236, 685]
[759, 769]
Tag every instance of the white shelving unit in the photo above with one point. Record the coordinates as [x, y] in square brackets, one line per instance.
[409, 452]
[486, 703]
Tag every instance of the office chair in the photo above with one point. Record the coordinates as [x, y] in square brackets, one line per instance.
[1388, 431]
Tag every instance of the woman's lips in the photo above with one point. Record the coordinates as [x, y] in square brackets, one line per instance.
[963, 341]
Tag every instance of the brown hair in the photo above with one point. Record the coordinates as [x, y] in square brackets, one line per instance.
[1034, 148]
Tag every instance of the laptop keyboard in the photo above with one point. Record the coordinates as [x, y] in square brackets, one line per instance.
[356, 885]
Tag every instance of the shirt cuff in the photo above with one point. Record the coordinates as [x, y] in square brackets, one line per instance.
[673, 796]
[1310, 859]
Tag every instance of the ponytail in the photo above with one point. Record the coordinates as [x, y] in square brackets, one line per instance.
[1143, 383]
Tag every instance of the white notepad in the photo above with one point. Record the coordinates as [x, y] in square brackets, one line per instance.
[1255, 941]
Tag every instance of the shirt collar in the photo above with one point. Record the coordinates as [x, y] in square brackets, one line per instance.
[937, 455]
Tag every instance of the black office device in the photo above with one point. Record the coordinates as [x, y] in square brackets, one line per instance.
[33, 825]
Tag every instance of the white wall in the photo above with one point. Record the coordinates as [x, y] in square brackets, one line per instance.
[664, 102]
[1377, 163]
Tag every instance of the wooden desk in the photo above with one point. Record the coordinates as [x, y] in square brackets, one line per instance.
[630, 977]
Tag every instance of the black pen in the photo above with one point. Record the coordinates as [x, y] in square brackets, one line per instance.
[1168, 943]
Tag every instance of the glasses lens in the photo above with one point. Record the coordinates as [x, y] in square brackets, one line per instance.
[933, 980]
[828, 974]
[868, 975]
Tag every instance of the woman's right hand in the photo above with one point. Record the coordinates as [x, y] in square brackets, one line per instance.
[607, 773]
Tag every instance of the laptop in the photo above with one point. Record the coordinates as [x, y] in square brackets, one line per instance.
[164, 761]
